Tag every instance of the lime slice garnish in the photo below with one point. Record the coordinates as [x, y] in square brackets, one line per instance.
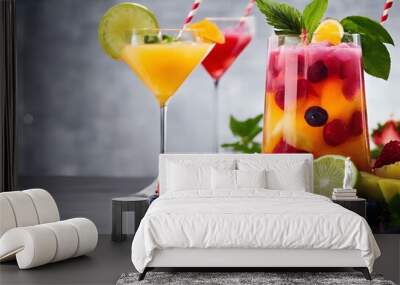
[118, 23]
[329, 174]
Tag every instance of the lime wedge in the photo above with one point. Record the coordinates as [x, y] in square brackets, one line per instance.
[117, 24]
[329, 174]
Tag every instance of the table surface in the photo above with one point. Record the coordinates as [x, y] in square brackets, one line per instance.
[130, 199]
[349, 200]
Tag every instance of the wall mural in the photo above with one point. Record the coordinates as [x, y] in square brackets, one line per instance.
[316, 93]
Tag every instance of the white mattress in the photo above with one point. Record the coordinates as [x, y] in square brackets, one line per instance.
[253, 219]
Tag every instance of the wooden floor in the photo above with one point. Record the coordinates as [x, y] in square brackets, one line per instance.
[91, 198]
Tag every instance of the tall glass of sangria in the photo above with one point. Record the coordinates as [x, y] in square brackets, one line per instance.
[315, 99]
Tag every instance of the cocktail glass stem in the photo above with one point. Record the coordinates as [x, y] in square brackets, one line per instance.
[163, 128]
[215, 116]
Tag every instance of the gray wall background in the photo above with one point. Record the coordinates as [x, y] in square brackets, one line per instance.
[80, 113]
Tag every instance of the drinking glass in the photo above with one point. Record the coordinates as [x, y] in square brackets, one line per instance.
[238, 33]
[315, 99]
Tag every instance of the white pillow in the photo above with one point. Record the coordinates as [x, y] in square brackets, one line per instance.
[281, 174]
[293, 180]
[223, 179]
[185, 177]
[237, 179]
[193, 174]
[251, 178]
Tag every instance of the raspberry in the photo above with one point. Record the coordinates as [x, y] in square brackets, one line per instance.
[350, 88]
[280, 97]
[356, 124]
[335, 132]
[317, 71]
[390, 154]
[283, 147]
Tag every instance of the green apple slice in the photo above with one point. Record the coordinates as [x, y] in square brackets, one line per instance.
[117, 24]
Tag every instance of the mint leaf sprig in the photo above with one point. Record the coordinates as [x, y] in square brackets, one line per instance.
[245, 131]
[374, 36]
[284, 18]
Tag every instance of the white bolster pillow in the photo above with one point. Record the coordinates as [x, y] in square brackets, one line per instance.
[37, 245]
[7, 218]
[45, 206]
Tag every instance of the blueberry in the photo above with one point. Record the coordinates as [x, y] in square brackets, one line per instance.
[317, 71]
[316, 116]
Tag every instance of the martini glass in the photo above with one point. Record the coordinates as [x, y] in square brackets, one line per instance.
[238, 33]
[163, 59]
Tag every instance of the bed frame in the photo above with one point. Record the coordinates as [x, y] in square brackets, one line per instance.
[242, 259]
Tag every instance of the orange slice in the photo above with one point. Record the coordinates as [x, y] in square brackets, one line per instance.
[330, 31]
[208, 31]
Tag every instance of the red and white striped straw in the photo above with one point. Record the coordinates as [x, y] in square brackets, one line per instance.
[193, 11]
[249, 8]
[386, 8]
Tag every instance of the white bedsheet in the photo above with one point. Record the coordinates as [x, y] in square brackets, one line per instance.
[250, 219]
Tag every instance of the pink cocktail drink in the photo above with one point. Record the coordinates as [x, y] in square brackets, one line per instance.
[238, 33]
[315, 100]
[223, 55]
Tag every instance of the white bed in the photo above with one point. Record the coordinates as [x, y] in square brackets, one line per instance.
[280, 225]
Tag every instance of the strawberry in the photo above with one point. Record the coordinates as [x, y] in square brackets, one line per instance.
[335, 132]
[386, 132]
[283, 147]
[390, 154]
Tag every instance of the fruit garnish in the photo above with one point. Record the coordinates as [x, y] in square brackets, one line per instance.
[316, 116]
[284, 147]
[329, 174]
[368, 186]
[390, 154]
[389, 170]
[208, 30]
[389, 188]
[307, 25]
[155, 39]
[387, 132]
[335, 132]
[118, 23]
[330, 31]
[151, 39]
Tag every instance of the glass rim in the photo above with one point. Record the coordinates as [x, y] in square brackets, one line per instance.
[299, 36]
[165, 29]
[229, 19]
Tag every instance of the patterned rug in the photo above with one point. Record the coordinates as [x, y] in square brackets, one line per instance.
[253, 278]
